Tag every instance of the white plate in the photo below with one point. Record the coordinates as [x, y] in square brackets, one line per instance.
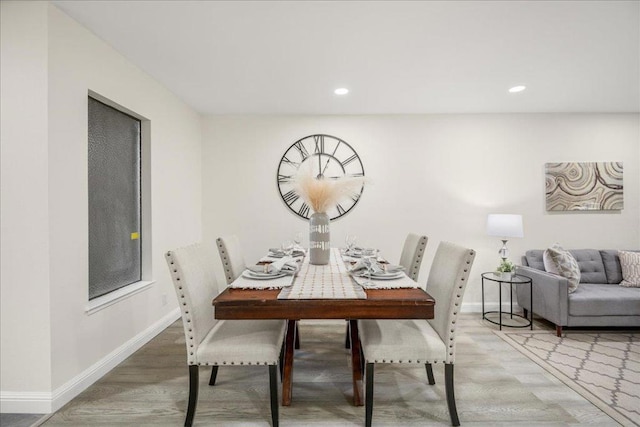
[385, 276]
[261, 276]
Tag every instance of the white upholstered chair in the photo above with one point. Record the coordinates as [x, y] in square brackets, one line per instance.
[412, 254]
[422, 341]
[233, 264]
[410, 259]
[231, 256]
[212, 342]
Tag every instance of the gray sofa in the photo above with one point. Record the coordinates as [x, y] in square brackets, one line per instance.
[598, 301]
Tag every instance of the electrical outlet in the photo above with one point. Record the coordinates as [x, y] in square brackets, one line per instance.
[165, 300]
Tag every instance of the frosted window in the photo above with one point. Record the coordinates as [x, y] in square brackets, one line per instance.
[114, 199]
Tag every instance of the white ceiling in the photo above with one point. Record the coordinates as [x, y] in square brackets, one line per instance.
[396, 57]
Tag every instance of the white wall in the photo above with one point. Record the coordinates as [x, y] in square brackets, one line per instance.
[24, 290]
[54, 221]
[434, 174]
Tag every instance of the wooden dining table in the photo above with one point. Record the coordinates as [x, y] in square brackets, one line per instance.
[413, 303]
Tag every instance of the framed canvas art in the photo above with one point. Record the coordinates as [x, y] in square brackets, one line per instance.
[584, 186]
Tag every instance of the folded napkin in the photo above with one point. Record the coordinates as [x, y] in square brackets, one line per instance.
[279, 253]
[276, 253]
[287, 265]
[391, 268]
[366, 265]
[354, 252]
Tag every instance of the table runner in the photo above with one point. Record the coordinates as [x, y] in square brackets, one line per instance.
[331, 281]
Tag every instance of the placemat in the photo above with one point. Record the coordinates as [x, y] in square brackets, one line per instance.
[331, 281]
[246, 283]
[402, 282]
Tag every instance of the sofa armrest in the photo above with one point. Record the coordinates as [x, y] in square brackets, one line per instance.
[550, 295]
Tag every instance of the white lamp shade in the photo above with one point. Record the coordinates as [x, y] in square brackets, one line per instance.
[504, 225]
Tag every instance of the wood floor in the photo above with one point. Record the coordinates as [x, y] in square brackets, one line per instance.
[495, 386]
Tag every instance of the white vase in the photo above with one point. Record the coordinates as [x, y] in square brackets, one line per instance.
[505, 275]
[319, 239]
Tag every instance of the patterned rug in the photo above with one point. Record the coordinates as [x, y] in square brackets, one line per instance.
[603, 367]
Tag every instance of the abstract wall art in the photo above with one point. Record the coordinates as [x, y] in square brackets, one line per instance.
[584, 186]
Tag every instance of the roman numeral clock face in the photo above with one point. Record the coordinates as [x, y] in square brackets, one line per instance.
[329, 158]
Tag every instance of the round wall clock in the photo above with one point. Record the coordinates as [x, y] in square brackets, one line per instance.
[329, 157]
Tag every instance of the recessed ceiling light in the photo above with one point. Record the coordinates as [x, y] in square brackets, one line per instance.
[517, 89]
[341, 91]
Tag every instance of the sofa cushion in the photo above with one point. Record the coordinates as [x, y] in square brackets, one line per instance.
[630, 263]
[562, 262]
[612, 267]
[591, 265]
[534, 259]
[593, 299]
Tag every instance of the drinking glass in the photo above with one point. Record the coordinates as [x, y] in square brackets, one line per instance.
[287, 247]
[369, 256]
[297, 239]
[350, 240]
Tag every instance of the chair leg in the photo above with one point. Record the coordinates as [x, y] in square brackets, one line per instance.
[281, 361]
[297, 343]
[273, 386]
[369, 396]
[193, 395]
[451, 398]
[559, 331]
[430, 377]
[347, 340]
[214, 374]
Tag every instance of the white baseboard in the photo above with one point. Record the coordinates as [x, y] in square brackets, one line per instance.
[25, 402]
[45, 402]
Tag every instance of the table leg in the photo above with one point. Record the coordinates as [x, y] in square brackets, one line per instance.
[511, 298]
[356, 363]
[531, 302]
[287, 377]
[483, 312]
[500, 303]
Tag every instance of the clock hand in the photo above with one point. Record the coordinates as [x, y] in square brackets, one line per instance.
[332, 154]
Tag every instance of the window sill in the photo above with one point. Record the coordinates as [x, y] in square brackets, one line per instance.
[111, 298]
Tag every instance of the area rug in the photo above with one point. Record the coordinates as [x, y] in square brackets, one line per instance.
[602, 367]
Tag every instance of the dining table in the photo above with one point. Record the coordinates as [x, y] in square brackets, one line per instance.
[324, 292]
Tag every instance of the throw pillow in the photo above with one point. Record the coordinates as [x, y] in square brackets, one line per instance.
[561, 262]
[630, 263]
[549, 265]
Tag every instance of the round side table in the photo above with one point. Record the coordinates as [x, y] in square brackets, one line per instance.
[516, 279]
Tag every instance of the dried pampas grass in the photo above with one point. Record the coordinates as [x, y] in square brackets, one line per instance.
[321, 194]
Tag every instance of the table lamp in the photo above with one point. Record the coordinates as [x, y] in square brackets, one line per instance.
[504, 226]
